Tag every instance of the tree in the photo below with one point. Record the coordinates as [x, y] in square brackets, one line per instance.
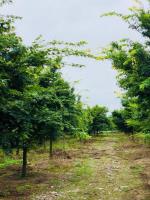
[2, 2]
[132, 61]
[100, 120]
[57, 106]
[119, 118]
[36, 102]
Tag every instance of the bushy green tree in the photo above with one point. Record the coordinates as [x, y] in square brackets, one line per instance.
[83, 120]
[119, 118]
[36, 103]
[100, 121]
[132, 61]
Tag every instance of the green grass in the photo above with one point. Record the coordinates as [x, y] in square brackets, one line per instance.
[100, 169]
[137, 169]
[9, 161]
[23, 188]
[143, 138]
[82, 170]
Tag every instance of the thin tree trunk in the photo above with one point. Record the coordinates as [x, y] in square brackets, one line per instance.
[44, 145]
[64, 145]
[17, 151]
[50, 148]
[17, 147]
[24, 161]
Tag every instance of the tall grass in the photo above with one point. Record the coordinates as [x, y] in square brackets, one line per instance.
[143, 138]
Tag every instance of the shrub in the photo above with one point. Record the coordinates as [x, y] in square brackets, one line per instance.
[83, 136]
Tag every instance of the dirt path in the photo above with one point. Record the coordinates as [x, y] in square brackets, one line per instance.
[108, 168]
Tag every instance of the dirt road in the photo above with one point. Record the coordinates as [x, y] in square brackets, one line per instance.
[108, 168]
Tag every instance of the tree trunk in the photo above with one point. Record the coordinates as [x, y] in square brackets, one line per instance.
[44, 145]
[17, 147]
[50, 148]
[17, 151]
[24, 161]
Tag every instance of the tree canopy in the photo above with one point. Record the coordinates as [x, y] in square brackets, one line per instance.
[36, 102]
[132, 62]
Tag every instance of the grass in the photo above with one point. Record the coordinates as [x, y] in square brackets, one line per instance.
[143, 138]
[81, 170]
[137, 169]
[8, 162]
[104, 168]
[21, 189]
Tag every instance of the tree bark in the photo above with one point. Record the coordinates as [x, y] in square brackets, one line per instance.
[24, 161]
[50, 148]
[44, 145]
[17, 151]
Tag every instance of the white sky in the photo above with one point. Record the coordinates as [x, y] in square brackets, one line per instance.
[75, 20]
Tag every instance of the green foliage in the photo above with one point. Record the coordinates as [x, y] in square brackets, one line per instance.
[84, 118]
[132, 61]
[143, 138]
[82, 136]
[120, 120]
[2, 2]
[36, 103]
[139, 19]
[9, 161]
[100, 122]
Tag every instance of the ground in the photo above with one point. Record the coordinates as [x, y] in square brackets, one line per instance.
[110, 167]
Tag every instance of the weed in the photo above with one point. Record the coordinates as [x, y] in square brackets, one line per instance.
[23, 188]
[137, 169]
[9, 161]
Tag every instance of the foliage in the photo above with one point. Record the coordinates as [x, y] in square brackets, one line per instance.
[2, 2]
[132, 61]
[143, 138]
[36, 103]
[83, 136]
[119, 119]
[7, 162]
[100, 121]
[138, 19]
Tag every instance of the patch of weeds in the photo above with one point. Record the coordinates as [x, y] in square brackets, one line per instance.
[54, 168]
[2, 155]
[4, 193]
[59, 166]
[67, 143]
[137, 169]
[9, 161]
[143, 138]
[23, 188]
[55, 182]
[82, 170]
[125, 188]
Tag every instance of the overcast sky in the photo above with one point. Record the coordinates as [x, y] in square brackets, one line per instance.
[75, 20]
